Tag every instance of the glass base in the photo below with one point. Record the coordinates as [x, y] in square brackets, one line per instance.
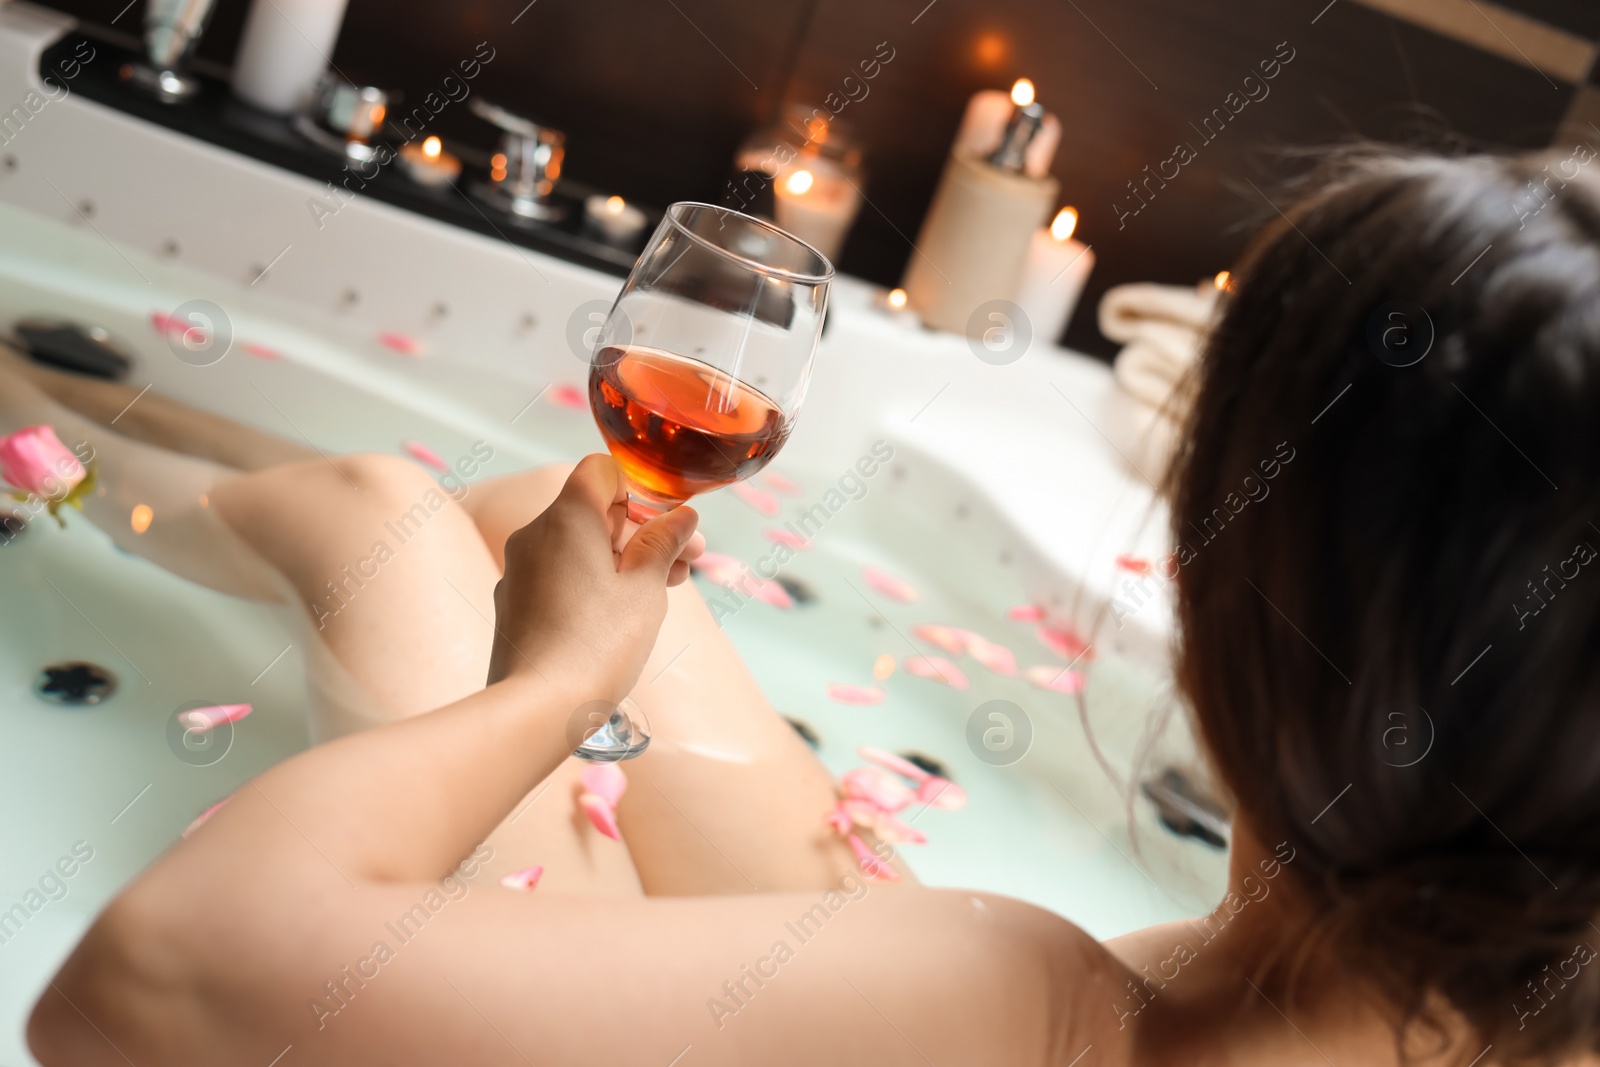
[621, 737]
[642, 506]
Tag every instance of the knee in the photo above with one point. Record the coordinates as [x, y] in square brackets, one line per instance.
[385, 482]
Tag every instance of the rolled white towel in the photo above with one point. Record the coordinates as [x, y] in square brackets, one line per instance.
[1125, 307]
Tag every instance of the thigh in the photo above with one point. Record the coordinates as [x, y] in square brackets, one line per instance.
[401, 587]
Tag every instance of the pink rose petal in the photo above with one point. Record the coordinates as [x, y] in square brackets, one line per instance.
[526, 879]
[1026, 613]
[877, 787]
[425, 456]
[839, 818]
[260, 351]
[780, 483]
[199, 720]
[1136, 564]
[601, 813]
[941, 793]
[404, 344]
[1054, 679]
[605, 780]
[869, 863]
[789, 538]
[996, 657]
[1064, 642]
[205, 816]
[938, 669]
[569, 396]
[890, 586]
[890, 761]
[841, 693]
[774, 594]
[948, 638]
[890, 829]
[759, 499]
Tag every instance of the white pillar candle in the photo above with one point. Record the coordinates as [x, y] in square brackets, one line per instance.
[287, 44]
[1054, 276]
[816, 205]
[983, 125]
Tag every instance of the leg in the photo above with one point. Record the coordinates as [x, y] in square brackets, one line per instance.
[728, 799]
[402, 587]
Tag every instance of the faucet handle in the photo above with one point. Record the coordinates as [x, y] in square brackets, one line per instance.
[527, 165]
[171, 29]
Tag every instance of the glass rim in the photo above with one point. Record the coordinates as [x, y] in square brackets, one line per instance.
[753, 264]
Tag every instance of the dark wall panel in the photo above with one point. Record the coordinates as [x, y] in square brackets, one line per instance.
[655, 95]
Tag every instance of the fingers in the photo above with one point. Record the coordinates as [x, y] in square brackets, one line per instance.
[596, 482]
[657, 545]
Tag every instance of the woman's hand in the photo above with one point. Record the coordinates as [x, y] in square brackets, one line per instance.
[585, 590]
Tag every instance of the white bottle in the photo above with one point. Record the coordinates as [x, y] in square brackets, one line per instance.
[287, 44]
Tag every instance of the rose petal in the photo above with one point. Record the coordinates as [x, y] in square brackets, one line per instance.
[869, 863]
[897, 764]
[260, 351]
[1065, 643]
[199, 720]
[1135, 564]
[789, 538]
[605, 780]
[996, 657]
[774, 594]
[890, 829]
[890, 586]
[759, 499]
[526, 879]
[569, 396]
[841, 693]
[877, 787]
[1055, 679]
[601, 813]
[941, 793]
[882, 667]
[938, 669]
[205, 816]
[425, 456]
[401, 343]
[1026, 613]
[839, 818]
[949, 638]
[780, 483]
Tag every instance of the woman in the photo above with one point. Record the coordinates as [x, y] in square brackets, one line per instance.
[1421, 334]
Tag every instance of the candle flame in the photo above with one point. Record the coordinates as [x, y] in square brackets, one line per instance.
[614, 205]
[1223, 280]
[1022, 92]
[897, 298]
[432, 147]
[1065, 224]
[799, 182]
[141, 518]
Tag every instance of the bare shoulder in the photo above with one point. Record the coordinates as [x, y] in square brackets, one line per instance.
[1045, 987]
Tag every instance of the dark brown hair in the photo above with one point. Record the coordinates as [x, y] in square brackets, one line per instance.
[1392, 657]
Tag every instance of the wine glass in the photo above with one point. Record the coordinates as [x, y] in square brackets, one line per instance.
[699, 370]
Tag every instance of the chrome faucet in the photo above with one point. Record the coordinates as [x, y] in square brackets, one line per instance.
[171, 30]
[525, 167]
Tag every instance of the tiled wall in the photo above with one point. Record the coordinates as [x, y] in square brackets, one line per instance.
[655, 95]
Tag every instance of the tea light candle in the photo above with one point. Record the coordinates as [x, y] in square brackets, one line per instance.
[816, 206]
[613, 216]
[1054, 275]
[428, 163]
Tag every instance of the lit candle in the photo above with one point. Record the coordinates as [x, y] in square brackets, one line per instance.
[1054, 275]
[817, 205]
[984, 124]
[613, 216]
[428, 163]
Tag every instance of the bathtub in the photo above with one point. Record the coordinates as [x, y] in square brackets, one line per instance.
[1002, 490]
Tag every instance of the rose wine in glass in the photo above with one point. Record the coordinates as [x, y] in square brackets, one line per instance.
[699, 371]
